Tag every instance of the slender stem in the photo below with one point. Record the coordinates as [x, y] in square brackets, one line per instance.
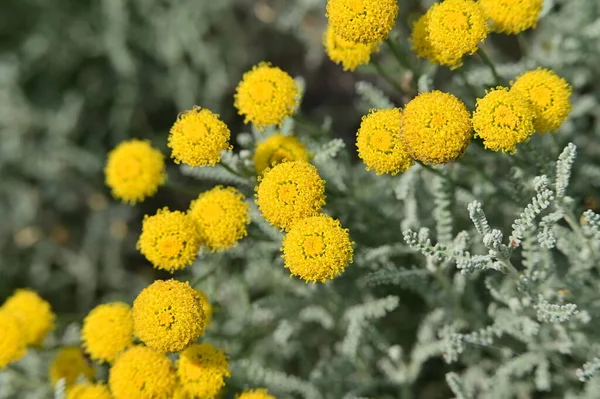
[387, 76]
[181, 188]
[472, 91]
[230, 170]
[309, 124]
[442, 175]
[522, 45]
[487, 60]
[401, 57]
[510, 268]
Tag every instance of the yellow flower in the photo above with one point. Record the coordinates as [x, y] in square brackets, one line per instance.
[277, 149]
[255, 394]
[180, 393]
[89, 391]
[206, 308]
[142, 373]
[289, 192]
[198, 137]
[202, 370]
[379, 143]
[349, 54]
[169, 240]
[362, 21]
[107, 331]
[221, 215]
[512, 16]
[70, 364]
[168, 316]
[266, 95]
[34, 314]
[12, 340]
[455, 28]
[503, 119]
[317, 249]
[436, 127]
[420, 38]
[134, 171]
[549, 95]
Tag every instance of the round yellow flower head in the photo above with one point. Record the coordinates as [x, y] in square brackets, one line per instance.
[34, 314]
[289, 192]
[362, 21]
[221, 215]
[107, 331]
[503, 119]
[89, 391]
[349, 54]
[70, 364]
[134, 171]
[198, 137]
[169, 240]
[266, 95]
[255, 394]
[180, 393]
[13, 345]
[202, 370]
[379, 143]
[549, 95]
[420, 38]
[207, 308]
[168, 316]
[317, 249]
[277, 149]
[436, 127]
[455, 29]
[512, 16]
[142, 373]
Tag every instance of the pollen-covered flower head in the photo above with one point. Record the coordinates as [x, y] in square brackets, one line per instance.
[420, 38]
[277, 149]
[266, 95]
[202, 370]
[349, 54]
[142, 373]
[221, 215]
[89, 391]
[168, 316]
[170, 240]
[13, 344]
[70, 364]
[198, 137]
[290, 191]
[436, 127]
[317, 248]
[34, 314]
[503, 119]
[255, 394]
[134, 171]
[362, 21]
[207, 308]
[455, 28]
[379, 143]
[549, 95]
[512, 16]
[107, 331]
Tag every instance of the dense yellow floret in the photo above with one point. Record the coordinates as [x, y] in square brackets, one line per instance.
[35, 315]
[349, 54]
[277, 149]
[221, 216]
[70, 364]
[255, 394]
[12, 340]
[180, 393]
[107, 331]
[317, 249]
[379, 143]
[362, 21]
[455, 28]
[503, 119]
[549, 95]
[436, 127]
[512, 16]
[134, 171]
[168, 316]
[89, 391]
[420, 38]
[202, 370]
[290, 191]
[142, 373]
[207, 308]
[170, 240]
[198, 137]
[266, 95]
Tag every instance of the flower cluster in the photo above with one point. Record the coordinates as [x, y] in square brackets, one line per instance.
[365, 21]
[277, 149]
[107, 331]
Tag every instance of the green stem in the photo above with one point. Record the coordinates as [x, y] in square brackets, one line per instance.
[309, 124]
[510, 268]
[472, 91]
[230, 170]
[522, 45]
[181, 188]
[442, 175]
[401, 57]
[488, 61]
[387, 76]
